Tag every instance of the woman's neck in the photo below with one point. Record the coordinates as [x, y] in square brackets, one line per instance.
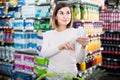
[61, 28]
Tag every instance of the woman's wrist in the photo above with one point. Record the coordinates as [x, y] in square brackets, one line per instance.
[59, 47]
[83, 47]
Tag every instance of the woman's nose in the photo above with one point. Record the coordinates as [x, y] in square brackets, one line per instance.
[65, 16]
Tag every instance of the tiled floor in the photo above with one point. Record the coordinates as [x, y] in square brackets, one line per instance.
[111, 77]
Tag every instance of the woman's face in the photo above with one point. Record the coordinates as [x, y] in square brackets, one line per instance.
[63, 16]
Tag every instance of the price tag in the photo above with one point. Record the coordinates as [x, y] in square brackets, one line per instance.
[39, 32]
[2, 43]
[12, 31]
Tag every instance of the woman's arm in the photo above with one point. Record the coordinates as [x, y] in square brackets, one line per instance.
[80, 53]
[47, 50]
[80, 46]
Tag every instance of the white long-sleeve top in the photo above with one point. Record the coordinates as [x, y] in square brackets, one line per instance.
[63, 61]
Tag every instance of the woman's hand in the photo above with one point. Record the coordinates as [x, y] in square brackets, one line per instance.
[67, 45]
[83, 41]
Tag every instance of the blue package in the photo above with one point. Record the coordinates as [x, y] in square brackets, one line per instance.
[20, 46]
[19, 35]
[21, 76]
[21, 2]
[32, 45]
[28, 35]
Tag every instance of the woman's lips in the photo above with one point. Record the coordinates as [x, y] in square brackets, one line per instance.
[65, 20]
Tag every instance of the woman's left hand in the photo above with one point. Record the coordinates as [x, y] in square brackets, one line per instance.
[83, 41]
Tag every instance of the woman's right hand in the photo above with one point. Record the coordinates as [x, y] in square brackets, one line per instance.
[67, 45]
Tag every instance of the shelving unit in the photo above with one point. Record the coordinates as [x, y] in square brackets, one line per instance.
[19, 34]
[24, 23]
[93, 28]
[111, 42]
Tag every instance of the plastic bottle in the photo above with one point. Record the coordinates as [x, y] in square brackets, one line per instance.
[76, 12]
[84, 12]
[83, 66]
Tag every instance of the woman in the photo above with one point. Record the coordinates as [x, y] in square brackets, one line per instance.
[64, 45]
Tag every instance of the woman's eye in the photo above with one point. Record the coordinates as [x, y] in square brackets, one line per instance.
[61, 13]
[68, 12]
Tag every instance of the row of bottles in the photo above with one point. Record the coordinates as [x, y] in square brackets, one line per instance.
[104, 15]
[19, 10]
[16, 2]
[110, 41]
[111, 35]
[111, 49]
[112, 61]
[111, 20]
[111, 53]
[6, 35]
[85, 11]
[6, 68]
[93, 28]
[6, 53]
[19, 25]
[27, 24]
[90, 27]
[94, 40]
[91, 60]
[6, 59]
[111, 25]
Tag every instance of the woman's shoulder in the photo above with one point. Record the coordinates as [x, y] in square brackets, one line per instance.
[49, 32]
[80, 28]
[72, 29]
[81, 31]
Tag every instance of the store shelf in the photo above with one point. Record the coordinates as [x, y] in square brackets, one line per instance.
[32, 76]
[111, 20]
[110, 42]
[2, 6]
[10, 6]
[5, 27]
[86, 21]
[69, 2]
[79, 1]
[110, 38]
[7, 60]
[2, 43]
[99, 49]
[112, 30]
[34, 52]
[4, 16]
[43, 4]
[39, 18]
[37, 4]
[25, 30]
[110, 52]
[29, 52]
[94, 35]
[112, 45]
[7, 74]
[112, 73]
